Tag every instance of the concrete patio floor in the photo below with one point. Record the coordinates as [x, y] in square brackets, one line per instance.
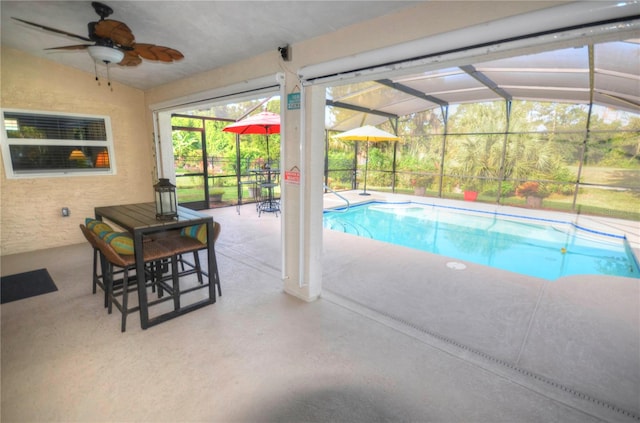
[396, 336]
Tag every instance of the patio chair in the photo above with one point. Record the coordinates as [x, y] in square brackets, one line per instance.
[251, 182]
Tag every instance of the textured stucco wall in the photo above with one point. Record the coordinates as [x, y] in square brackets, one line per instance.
[30, 208]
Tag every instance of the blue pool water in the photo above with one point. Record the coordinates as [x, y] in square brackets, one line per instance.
[543, 248]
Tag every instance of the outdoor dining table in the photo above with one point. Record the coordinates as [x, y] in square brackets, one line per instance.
[140, 220]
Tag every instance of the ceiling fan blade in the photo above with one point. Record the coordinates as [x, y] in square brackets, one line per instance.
[58, 31]
[130, 59]
[116, 31]
[75, 47]
[154, 52]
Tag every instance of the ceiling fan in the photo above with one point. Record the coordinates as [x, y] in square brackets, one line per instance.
[113, 41]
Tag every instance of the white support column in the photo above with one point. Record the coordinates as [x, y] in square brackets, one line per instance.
[302, 223]
[164, 145]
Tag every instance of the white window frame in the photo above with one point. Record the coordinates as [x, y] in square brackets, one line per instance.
[48, 173]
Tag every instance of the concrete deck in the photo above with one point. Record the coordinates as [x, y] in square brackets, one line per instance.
[396, 336]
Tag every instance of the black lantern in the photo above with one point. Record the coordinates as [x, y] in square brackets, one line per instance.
[166, 206]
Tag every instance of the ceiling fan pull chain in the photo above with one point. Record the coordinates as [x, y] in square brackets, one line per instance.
[95, 68]
[108, 77]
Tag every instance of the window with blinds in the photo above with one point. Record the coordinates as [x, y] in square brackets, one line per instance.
[39, 144]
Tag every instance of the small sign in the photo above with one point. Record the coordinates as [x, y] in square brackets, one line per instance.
[293, 101]
[292, 177]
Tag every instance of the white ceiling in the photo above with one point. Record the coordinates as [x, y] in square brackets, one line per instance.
[209, 33]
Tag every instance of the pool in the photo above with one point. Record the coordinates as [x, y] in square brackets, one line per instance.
[543, 248]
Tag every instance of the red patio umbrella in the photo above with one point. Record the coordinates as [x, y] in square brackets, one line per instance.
[263, 123]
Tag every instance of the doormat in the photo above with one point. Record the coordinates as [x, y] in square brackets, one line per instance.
[24, 285]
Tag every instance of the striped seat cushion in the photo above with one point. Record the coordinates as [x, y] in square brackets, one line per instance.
[97, 226]
[122, 242]
[198, 232]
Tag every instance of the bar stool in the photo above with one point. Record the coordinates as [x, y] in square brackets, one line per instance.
[180, 245]
[153, 254]
[97, 279]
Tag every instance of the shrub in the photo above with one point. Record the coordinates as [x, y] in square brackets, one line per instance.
[531, 189]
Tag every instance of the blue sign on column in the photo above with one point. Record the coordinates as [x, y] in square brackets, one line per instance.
[293, 101]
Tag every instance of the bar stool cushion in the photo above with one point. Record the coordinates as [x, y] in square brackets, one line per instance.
[97, 226]
[121, 242]
[198, 232]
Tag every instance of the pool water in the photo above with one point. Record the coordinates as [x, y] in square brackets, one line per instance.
[543, 248]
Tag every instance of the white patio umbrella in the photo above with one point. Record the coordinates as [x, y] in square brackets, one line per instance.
[369, 134]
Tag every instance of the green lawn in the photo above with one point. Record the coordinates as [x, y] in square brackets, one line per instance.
[186, 195]
[615, 177]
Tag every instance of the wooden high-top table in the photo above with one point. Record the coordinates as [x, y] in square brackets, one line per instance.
[140, 220]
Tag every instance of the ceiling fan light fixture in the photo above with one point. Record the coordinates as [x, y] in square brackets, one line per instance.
[106, 54]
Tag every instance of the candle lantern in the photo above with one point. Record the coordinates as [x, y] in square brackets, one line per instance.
[166, 206]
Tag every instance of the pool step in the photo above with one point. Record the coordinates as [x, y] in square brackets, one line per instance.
[341, 225]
